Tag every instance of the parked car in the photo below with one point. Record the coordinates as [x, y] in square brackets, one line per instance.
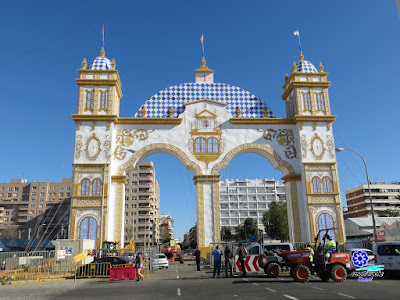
[370, 254]
[388, 254]
[161, 261]
[99, 267]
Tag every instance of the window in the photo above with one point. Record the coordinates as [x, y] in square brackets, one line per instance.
[88, 229]
[68, 188]
[33, 194]
[103, 100]
[8, 194]
[41, 194]
[85, 187]
[306, 102]
[41, 199]
[327, 184]
[43, 188]
[34, 188]
[134, 182]
[212, 145]
[33, 199]
[61, 194]
[316, 185]
[134, 175]
[325, 221]
[15, 194]
[96, 186]
[15, 189]
[61, 188]
[10, 189]
[32, 205]
[40, 205]
[320, 102]
[200, 145]
[134, 190]
[89, 100]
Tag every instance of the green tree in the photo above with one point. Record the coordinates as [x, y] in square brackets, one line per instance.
[249, 227]
[276, 222]
[389, 213]
[226, 234]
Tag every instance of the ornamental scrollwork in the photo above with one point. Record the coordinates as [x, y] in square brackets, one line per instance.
[284, 137]
[329, 145]
[107, 146]
[78, 146]
[126, 137]
[304, 146]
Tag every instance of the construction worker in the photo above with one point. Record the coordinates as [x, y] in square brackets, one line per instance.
[330, 247]
[310, 263]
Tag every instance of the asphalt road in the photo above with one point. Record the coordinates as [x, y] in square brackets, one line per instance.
[181, 281]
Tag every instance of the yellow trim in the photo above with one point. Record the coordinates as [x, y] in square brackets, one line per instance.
[327, 119]
[291, 177]
[203, 100]
[149, 121]
[206, 178]
[252, 121]
[119, 178]
[300, 84]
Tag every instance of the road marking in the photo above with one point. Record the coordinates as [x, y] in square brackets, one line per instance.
[178, 291]
[271, 290]
[256, 284]
[344, 295]
[244, 279]
[298, 283]
[280, 278]
[177, 276]
[291, 297]
[374, 281]
[317, 288]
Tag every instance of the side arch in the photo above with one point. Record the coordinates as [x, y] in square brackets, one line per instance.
[160, 148]
[264, 150]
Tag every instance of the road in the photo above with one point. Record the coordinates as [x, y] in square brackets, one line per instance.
[181, 281]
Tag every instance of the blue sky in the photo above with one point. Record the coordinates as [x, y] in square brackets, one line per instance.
[156, 44]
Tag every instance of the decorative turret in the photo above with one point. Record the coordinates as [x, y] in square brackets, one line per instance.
[204, 74]
[306, 90]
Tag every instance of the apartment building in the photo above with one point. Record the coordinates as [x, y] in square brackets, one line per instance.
[384, 196]
[241, 199]
[32, 209]
[166, 227]
[142, 202]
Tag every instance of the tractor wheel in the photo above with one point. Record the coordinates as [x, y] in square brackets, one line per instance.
[301, 273]
[338, 273]
[272, 270]
[323, 276]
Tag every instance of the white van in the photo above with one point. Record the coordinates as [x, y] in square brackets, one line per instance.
[388, 254]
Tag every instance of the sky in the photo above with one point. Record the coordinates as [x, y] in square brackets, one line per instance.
[156, 44]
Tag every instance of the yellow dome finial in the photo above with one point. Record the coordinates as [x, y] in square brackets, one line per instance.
[102, 52]
[203, 62]
[301, 56]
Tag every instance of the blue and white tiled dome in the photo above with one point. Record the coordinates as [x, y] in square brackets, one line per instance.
[176, 96]
[305, 66]
[100, 62]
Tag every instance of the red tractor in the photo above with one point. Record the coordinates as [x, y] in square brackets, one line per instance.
[301, 266]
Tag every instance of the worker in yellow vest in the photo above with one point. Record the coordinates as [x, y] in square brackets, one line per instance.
[330, 247]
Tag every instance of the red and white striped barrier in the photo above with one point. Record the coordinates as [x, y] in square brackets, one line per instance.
[250, 263]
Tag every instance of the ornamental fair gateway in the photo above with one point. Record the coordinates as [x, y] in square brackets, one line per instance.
[204, 124]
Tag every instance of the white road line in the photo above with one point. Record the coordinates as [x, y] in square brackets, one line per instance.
[344, 295]
[256, 284]
[280, 278]
[317, 288]
[178, 291]
[374, 281]
[291, 297]
[177, 276]
[298, 283]
[271, 290]
[245, 279]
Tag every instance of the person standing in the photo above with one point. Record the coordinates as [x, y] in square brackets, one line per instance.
[228, 264]
[242, 257]
[197, 255]
[217, 261]
[139, 266]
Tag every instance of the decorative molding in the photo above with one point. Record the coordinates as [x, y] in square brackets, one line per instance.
[125, 138]
[317, 147]
[284, 137]
[93, 147]
[200, 215]
[149, 121]
[261, 149]
[304, 146]
[330, 146]
[216, 212]
[159, 148]
[206, 178]
[291, 177]
[262, 121]
[78, 146]
[107, 146]
[119, 178]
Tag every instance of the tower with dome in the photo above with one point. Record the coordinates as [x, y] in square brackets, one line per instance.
[204, 124]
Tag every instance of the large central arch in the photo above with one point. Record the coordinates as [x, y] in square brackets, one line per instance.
[205, 124]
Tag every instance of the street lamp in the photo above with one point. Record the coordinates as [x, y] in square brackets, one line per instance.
[37, 235]
[369, 190]
[102, 195]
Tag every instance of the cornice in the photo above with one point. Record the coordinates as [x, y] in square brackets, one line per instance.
[149, 121]
[119, 178]
[100, 82]
[257, 121]
[89, 165]
[206, 178]
[291, 177]
[327, 119]
[299, 84]
[94, 118]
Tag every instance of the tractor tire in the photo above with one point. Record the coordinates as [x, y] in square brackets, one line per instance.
[338, 273]
[323, 276]
[301, 273]
[272, 270]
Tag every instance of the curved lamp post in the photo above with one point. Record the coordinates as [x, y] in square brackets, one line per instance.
[102, 195]
[369, 190]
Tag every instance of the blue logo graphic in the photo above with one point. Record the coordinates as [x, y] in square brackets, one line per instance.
[360, 258]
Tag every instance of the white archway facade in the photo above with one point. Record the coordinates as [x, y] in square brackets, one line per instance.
[205, 124]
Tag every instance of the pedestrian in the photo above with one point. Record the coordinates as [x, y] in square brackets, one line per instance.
[139, 266]
[217, 261]
[228, 263]
[197, 255]
[242, 256]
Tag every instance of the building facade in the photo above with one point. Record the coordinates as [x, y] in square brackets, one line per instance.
[35, 209]
[384, 196]
[166, 228]
[242, 199]
[142, 203]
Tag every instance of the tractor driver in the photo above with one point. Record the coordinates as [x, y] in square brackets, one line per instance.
[330, 247]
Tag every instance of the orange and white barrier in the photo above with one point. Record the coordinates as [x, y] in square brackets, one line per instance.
[250, 263]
